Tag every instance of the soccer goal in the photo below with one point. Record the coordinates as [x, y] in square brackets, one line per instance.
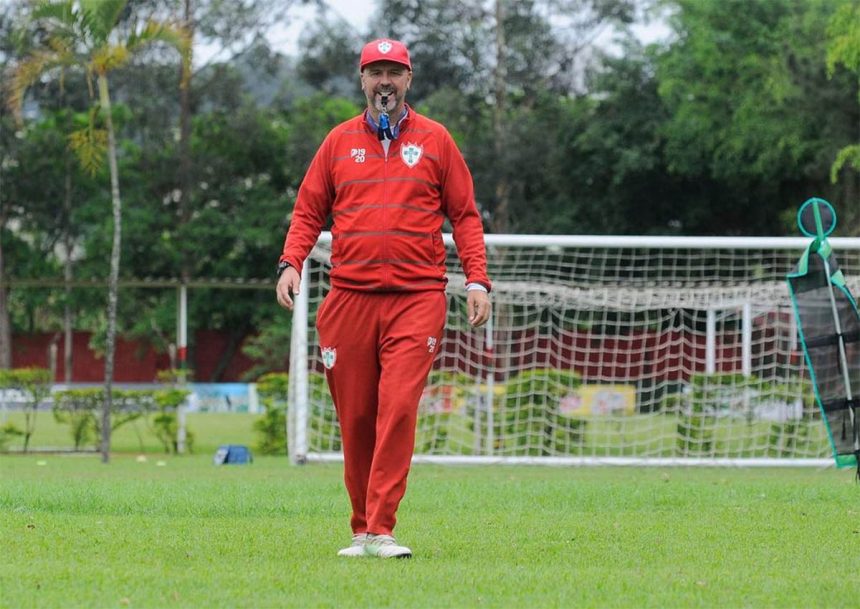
[602, 350]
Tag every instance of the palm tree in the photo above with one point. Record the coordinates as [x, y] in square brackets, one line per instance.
[84, 34]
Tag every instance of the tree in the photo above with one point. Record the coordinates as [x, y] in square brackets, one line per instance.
[84, 35]
[753, 120]
[484, 67]
[9, 208]
[43, 185]
[251, 182]
[604, 172]
[236, 29]
[844, 48]
[230, 22]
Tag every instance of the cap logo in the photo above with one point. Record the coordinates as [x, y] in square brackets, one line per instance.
[384, 47]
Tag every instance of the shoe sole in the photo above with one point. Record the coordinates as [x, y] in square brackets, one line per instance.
[370, 555]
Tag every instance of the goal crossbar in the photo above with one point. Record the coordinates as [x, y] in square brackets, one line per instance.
[602, 350]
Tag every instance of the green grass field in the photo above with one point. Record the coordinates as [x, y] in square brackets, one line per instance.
[210, 431]
[77, 533]
[641, 435]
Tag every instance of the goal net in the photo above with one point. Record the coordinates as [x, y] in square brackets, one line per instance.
[602, 350]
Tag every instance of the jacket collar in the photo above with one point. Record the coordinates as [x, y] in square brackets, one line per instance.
[396, 128]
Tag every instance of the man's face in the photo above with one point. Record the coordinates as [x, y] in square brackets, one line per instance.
[385, 78]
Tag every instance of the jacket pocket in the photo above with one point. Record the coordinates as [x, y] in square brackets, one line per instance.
[321, 310]
[435, 242]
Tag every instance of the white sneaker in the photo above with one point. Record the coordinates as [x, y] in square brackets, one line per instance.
[356, 548]
[385, 546]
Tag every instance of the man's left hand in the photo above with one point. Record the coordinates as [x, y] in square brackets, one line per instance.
[478, 307]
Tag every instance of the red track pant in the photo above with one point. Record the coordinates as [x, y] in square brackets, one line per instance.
[378, 349]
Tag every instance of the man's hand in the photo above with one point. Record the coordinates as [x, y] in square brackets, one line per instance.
[478, 307]
[288, 287]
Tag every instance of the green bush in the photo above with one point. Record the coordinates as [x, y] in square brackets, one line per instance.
[271, 427]
[165, 422]
[35, 386]
[531, 421]
[79, 408]
[710, 394]
[82, 408]
[7, 432]
[324, 426]
[431, 434]
[787, 437]
[432, 431]
[324, 430]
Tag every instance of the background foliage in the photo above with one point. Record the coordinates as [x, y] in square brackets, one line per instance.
[569, 123]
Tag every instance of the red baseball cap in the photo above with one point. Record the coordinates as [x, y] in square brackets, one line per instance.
[385, 49]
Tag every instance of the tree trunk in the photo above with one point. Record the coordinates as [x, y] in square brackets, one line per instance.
[185, 175]
[5, 323]
[185, 138]
[501, 214]
[852, 189]
[234, 340]
[67, 273]
[113, 281]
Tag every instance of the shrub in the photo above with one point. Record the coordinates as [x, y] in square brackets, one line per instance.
[81, 409]
[271, 427]
[531, 413]
[323, 417]
[7, 432]
[451, 390]
[165, 422]
[34, 384]
[732, 394]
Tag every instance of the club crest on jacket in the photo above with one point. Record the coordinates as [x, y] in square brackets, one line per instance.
[411, 154]
[329, 356]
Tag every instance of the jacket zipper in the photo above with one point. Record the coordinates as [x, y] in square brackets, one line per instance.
[385, 265]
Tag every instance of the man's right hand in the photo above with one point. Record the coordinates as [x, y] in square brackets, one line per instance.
[288, 287]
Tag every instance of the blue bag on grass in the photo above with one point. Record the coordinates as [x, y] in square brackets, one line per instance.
[233, 454]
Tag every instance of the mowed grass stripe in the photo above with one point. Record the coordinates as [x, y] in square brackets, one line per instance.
[653, 435]
[77, 533]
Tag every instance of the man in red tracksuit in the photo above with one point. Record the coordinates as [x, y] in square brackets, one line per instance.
[388, 178]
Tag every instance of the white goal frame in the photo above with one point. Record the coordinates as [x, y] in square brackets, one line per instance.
[707, 298]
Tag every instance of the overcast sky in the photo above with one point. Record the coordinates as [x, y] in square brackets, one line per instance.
[286, 39]
[357, 13]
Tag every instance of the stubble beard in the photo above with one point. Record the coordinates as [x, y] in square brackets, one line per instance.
[393, 99]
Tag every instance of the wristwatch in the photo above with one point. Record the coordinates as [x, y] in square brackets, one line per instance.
[283, 265]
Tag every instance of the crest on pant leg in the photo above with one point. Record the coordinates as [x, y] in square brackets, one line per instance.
[329, 356]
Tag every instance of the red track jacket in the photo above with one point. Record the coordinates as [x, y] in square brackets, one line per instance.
[388, 212]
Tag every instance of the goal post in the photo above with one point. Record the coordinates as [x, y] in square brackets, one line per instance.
[601, 350]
